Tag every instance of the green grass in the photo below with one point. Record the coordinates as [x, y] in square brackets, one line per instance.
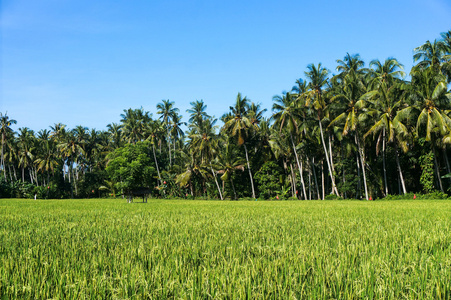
[104, 249]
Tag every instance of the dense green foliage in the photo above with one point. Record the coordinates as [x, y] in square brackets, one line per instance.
[107, 249]
[130, 166]
[364, 132]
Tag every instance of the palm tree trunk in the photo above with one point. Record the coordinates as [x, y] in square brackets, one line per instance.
[309, 184]
[293, 181]
[3, 159]
[437, 170]
[233, 187]
[383, 162]
[250, 172]
[331, 159]
[401, 177]
[169, 147]
[174, 148]
[334, 188]
[156, 162]
[322, 181]
[362, 159]
[448, 169]
[314, 177]
[9, 170]
[217, 184]
[359, 182]
[299, 167]
[30, 172]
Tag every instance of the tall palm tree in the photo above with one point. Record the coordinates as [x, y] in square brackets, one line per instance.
[71, 147]
[350, 106]
[204, 145]
[58, 135]
[47, 159]
[386, 73]
[6, 133]
[318, 79]
[134, 123]
[286, 114]
[197, 113]
[226, 163]
[176, 129]
[155, 133]
[385, 99]
[446, 67]
[431, 55]
[430, 102]
[385, 103]
[351, 64]
[26, 146]
[115, 133]
[255, 114]
[239, 126]
[166, 110]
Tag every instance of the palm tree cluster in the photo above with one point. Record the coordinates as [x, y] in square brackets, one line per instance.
[364, 132]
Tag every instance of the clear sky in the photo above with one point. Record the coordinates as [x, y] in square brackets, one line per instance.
[83, 62]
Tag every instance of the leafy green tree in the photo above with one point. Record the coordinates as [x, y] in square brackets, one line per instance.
[269, 179]
[130, 167]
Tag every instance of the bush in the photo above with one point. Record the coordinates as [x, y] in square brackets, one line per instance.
[410, 196]
[332, 197]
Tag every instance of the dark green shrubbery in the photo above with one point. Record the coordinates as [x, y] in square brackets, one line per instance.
[411, 196]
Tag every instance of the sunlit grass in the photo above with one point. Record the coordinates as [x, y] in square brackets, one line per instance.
[76, 249]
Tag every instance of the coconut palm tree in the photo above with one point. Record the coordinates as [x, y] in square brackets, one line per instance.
[430, 103]
[287, 116]
[384, 105]
[351, 64]
[46, 159]
[134, 123]
[432, 55]
[318, 79]
[25, 142]
[350, 105]
[238, 125]
[386, 73]
[115, 135]
[226, 163]
[176, 129]
[155, 134]
[6, 134]
[197, 113]
[203, 144]
[58, 135]
[166, 110]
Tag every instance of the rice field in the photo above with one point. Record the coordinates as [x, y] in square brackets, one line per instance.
[177, 249]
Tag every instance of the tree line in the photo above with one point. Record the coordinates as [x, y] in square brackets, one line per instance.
[364, 132]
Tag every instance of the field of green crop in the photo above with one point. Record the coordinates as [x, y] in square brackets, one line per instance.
[106, 249]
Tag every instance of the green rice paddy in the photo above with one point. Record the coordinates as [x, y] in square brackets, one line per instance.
[177, 249]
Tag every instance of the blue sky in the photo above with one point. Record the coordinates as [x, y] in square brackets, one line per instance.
[84, 62]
